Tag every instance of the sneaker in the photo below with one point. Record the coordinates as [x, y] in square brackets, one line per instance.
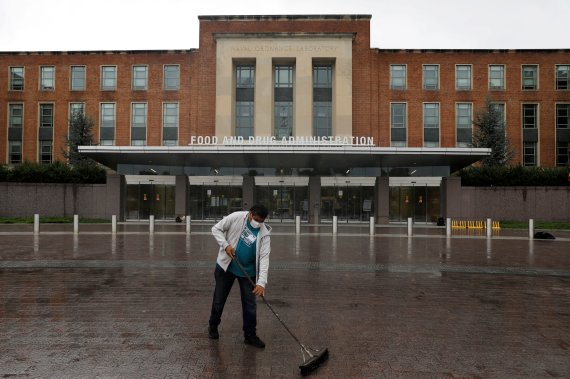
[254, 340]
[213, 332]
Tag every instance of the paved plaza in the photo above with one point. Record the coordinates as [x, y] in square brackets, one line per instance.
[136, 305]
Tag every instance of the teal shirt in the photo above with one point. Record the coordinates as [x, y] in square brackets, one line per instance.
[245, 252]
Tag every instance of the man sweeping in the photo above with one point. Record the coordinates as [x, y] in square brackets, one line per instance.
[242, 236]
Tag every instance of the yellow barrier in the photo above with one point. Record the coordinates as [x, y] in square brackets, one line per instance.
[473, 224]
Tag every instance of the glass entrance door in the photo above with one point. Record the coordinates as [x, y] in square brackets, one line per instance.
[422, 203]
[284, 202]
[214, 201]
[146, 199]
[348, 203]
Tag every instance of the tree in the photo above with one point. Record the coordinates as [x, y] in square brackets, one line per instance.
[489, 132]
[80, 134]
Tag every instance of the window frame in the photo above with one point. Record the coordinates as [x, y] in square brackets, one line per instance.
[41, 81]
[164, 106]
[101, 121]
[132, 119]
[164, 78]
[536, 116]
[504, 77]
[405, 87]
[134, 77]
[405, 127]
[470, 77]
[438, 71]
[537, 81]
[567, 77]
[40, 115]
[438, 122]
[556, 105]
[115, 79]
[11, 78]
[71, 67]
[535, 154]
[10, 104]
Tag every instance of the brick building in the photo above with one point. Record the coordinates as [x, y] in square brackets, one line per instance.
[298, 112]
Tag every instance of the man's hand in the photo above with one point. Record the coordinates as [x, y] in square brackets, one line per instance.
[258, 290]
[230, 251]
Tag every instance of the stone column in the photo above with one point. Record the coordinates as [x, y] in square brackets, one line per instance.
[314, 199]
[451, 197]
[181, 196]
[248, 196]
[116, 186]
[382, 200]
[303, 92]
[263, 96]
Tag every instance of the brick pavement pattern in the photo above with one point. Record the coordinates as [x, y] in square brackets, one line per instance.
[136, 306]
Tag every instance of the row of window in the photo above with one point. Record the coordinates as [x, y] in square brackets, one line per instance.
[464, 77]
[78, 82]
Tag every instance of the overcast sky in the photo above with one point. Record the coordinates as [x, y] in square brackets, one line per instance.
[65, 25]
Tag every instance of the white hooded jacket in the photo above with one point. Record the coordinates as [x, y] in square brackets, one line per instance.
[227, 232]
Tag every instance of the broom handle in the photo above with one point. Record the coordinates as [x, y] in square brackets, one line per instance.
[271, 308]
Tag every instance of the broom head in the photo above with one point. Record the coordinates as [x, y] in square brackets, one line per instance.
[314, 362]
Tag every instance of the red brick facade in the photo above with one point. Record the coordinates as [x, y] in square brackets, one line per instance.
[371, 91]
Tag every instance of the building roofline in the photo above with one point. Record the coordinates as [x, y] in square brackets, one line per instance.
[100, 52]
[471, 51]
[285, 17]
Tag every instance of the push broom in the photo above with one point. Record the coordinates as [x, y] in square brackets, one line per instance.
[312, 358]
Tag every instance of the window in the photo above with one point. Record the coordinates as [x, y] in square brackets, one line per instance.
[431, 77]
[107, 124]
[529, 154]
[16, 115]
[283, 104]
[562, 154]
[16, 78]
[398, 125]
[47, 78]
[530, 116]
[530, 77]
[497, 77]
[431, 125]
[78, 78]
[108, 78]
[398, 77]
[563, 77]
[463, 124]
[140, 75]
[46, 115]
[500, 109]
[562, 116]
[15, 152]
[138, 124]
[244, 108]
[170, 124]
[463, 77]
[15, 123]
[171, 77]
[322, 99]
[76, 108]
[45, 150]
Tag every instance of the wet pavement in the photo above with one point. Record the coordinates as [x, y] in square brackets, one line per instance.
[135, 305]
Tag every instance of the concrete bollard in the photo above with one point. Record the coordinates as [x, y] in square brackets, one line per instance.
[75, 224]
[372, 225]
[188, 223]
[114, 224]
[531, 228]
[335, 224]
[489, 228]
[151, 224]
[297, 224]
[448, 227]
[410, 227]
[36, 223]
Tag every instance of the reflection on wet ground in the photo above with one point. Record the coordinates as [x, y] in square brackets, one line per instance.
[136, 305]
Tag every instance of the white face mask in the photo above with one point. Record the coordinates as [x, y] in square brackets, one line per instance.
[254, 224]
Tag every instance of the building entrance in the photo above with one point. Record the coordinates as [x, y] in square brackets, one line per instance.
[419, 200]
[284, 197]
[350, 199]
[148, 196]
[212, 198]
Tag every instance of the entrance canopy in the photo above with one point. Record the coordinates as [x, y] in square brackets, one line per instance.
[320, 158]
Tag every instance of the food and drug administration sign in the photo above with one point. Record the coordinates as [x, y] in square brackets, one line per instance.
[284, 141]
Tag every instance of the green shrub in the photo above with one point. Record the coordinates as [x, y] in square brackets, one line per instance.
[513, 176]
[56, 172]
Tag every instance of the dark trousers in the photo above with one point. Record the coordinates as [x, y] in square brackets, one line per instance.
[224, 282]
